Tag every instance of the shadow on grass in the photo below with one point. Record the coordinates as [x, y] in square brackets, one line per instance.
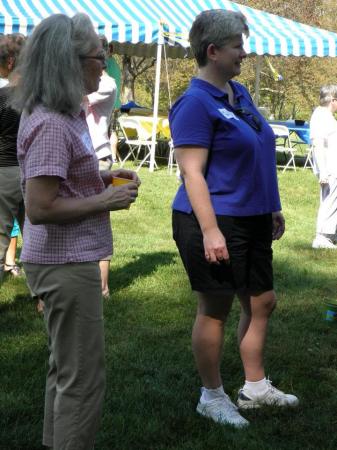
[142, 266]
[152, 386]
[18, 301]
[302, 278]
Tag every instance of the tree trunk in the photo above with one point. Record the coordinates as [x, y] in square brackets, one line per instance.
[128, 83]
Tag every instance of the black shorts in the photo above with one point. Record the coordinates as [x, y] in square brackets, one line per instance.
[249, 244]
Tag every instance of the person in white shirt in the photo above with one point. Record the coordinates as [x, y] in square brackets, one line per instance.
[99, 106]
[323, 135]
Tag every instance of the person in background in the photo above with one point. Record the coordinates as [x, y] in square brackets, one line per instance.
[114, 71]
[3, 81]
[99, 107]
[11, 201]
[67, 225]
[10, 260]
[226, 214]
[323, 134]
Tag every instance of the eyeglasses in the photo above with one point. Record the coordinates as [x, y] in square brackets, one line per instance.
[101, 58]
[249, 117]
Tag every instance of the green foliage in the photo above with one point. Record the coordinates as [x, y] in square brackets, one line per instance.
[153, 385]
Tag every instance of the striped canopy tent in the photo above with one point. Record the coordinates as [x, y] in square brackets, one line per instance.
[142, 27]
[136, 25]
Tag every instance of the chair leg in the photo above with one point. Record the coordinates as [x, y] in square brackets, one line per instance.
[291, 161]
[170, 161]
[130, 153]
[308, 161]
[147, 156]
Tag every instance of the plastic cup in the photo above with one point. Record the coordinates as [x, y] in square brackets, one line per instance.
[117, 181]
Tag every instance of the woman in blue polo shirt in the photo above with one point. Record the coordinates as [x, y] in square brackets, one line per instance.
[226, 214]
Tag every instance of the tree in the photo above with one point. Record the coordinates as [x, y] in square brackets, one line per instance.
[179, 75]
[132, 68]
[297, 94]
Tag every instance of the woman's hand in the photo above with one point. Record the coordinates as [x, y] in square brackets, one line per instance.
[278, 225]
[120, 197]
[215, 246]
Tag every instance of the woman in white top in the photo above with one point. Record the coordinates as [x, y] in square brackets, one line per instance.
[323, 134]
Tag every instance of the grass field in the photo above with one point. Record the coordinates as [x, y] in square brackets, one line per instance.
[153, 386]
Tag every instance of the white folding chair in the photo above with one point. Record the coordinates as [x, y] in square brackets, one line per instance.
[136, 137]
[165, 131]
[282, 134]
[309, 159]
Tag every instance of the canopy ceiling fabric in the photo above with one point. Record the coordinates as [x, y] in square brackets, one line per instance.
[134, 25]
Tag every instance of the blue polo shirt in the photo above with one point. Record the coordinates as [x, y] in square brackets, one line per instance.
[241, 170]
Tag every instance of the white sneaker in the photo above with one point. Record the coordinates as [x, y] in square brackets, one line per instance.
[222, 411]
[273, 397]
[323, 242]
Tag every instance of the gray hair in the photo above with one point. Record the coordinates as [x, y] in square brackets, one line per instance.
[104, 42]
[327, 93]
[50, 65]
[215, 26]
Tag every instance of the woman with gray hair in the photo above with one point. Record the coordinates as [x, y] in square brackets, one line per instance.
[226, 214]
[67, 227]
[323, 134]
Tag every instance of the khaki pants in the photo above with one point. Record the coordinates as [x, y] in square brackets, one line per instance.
[76, 378]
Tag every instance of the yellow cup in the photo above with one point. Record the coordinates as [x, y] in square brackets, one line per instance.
[117, 181]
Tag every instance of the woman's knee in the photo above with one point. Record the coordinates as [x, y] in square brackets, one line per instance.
[258, 304]
[266, 303]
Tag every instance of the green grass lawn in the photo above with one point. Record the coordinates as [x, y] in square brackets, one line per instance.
[153, 386]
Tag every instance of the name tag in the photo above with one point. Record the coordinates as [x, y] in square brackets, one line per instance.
[227, 114]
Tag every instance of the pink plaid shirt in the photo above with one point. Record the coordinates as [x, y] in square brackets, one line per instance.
[53, 144]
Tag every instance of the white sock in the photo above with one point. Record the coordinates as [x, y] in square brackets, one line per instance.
[256, 387]
[211, 394]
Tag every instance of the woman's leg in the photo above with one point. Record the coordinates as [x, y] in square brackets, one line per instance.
[104, 266]
[207, 339]
[207, 336]
[252, 330]
[11, 252]
[76, 378]
[10, 199]
[10, 263]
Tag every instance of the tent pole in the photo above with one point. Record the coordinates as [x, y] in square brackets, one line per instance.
[257, 79]
[156, 101]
